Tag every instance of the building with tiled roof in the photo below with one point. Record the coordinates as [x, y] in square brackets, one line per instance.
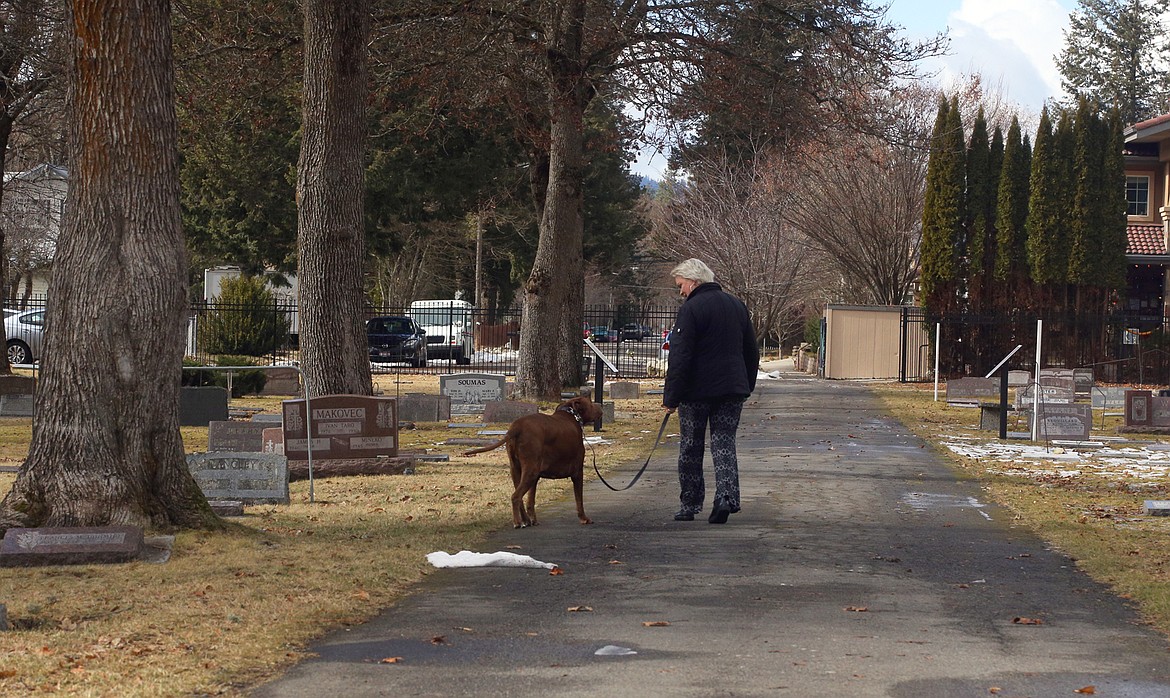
[1147, 151]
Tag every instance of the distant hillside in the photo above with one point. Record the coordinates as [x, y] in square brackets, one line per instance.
[650, 185]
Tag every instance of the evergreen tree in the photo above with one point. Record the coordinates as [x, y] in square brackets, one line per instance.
[1115, 53]
[980, 214]
[1112, 242]
[1046, 260]
[1012, 211]
[942, 212]
[1086, 222]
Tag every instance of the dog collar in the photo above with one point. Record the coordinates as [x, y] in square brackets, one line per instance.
[570, 410]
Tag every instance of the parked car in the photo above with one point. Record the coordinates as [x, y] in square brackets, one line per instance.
[393, 338]
[632, 332]
[25, 332]
[600, 334]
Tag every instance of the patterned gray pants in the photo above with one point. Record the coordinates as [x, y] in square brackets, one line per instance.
[693, 418]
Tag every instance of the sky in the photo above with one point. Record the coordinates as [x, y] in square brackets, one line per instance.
[1012, 43]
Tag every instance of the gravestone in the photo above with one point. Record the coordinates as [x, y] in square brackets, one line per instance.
[1049, 394]
[70, 546]
[1083, 381]
[1157, 507]
[1065, 421]
[625, 390]
[266, 417]
[343, 427]
[507, 411]
[423, 407]
[199, 406]
[1108, 397]
[236, 436]
[12, 384]
[1017, 379]
[1160, 411]
[1138, 410]
[272, 440]
[282, 381]
[470, 391]
[971, 389]
[252, 478]
[16, 405]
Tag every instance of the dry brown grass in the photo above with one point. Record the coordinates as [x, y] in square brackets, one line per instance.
[1098, 521]
[232, 609]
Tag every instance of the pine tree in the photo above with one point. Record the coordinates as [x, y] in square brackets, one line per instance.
[942, 212]
[1112, 241]
[1114, 53]
[1012, 211]
[1046, 259]
[1085, 222]
[980, 214]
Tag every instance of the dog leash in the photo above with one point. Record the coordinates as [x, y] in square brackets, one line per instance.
[661, 429]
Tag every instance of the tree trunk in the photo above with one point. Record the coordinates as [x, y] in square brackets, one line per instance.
[546, 345]
[106, 447]
[330, 191]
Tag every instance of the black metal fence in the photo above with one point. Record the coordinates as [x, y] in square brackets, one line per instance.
[630, 337]
[1119, 348]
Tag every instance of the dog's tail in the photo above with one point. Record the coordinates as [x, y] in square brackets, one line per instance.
[485, 449]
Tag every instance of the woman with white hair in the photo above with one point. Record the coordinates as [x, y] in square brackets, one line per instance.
[711, 370]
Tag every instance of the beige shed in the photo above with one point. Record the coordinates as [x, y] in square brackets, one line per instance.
[865, 341]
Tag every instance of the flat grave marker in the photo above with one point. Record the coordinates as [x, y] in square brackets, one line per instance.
[24, 547]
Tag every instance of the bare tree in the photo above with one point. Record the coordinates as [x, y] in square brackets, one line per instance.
[859, 202]
[330, 187]
[732, 217]
[106, 446]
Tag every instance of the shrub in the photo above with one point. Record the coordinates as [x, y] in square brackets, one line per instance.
[245, 320]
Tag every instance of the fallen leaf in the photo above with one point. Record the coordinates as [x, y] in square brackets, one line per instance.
[362, 594]
[579, 609]
[439, 640]
[1087, 690]
[555, 571]
[994, 689]
[466, 630]
[7, 673]
[858, 609]
[390, 660]
[616, 562]
[1020, 620]
[655, 623]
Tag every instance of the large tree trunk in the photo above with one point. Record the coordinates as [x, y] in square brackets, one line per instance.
[330, 191]
[106, 447]
[551, 304]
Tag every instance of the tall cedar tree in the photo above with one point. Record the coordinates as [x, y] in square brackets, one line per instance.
[106, 447]
[942, 212]
[1047, 264]
[1088, 222]
[1112, 242]
[330, 188]
[1115, 53]
[1011, 251]
[980, 215]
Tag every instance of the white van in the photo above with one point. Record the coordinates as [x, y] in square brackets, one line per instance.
[449, 328]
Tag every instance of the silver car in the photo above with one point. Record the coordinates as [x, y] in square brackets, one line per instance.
[25, 332]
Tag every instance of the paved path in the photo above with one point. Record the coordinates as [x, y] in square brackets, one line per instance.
[859, 566]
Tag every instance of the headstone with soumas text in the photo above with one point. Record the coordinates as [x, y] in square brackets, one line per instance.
[24, 547]
[341, 427]
[470, 391]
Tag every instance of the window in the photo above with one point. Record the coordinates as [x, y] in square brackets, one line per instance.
[1137, 195]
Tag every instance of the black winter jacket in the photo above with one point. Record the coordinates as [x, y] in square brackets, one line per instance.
[713, 351]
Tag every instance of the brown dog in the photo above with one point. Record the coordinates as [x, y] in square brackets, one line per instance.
[546, 445]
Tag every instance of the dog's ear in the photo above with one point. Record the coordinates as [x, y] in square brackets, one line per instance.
[591, 410]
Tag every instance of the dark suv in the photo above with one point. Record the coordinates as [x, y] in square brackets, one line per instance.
[396, 338]
[632, 332]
